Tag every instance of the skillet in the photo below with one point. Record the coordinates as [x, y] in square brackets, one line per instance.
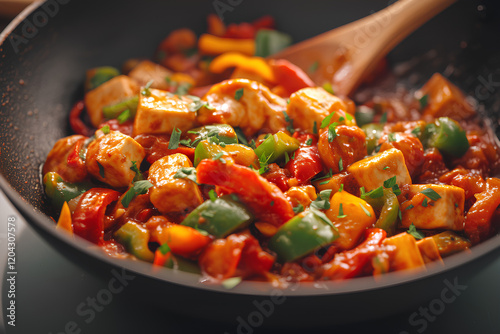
[43, 58]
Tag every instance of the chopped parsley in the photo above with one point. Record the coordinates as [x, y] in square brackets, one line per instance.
[219, 157]
[323, 200]
[263, 160]
[383, 119]
[101, 169]
[212, 194]
[186, 173]
[138, 188]
[272, 203]
[412, 230]
[326, 121]
[321, 215]
[197, 104]
[314, 67]
[389, 183]
[134, 168]
[298, 209]
[424, 100]
[400, 215]
[174, 139]
[289, 121]
[424, 202]
[287, 158]
[164, 249]
[332, 133]
[429, 192]
[386, 167]
[392, 137]
[105, 129]
[409, 207]
[146, 91]
[183, 88]
[417, 131]
[341, 187]
[309, 141]
[341, 165]
[341, 212]
[124, 116]
[241, 136]
[315, 128]
[328, 175]
[238, 94]
[365, 210]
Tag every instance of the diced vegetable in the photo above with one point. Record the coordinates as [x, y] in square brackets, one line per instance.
[64, 222]
[447, 136]
[448, 243]
[429, 250]
[373, 133]
[302, 235]
[88, 217]
[99, 75]
[406, 254]
[220, 217]
[241, 154]
[388, 206]
[223, 132]
[213, 45]
[113, 111]
[275, 146]
[135, 238]
[264, 199]
[255, 65]
[60, 191]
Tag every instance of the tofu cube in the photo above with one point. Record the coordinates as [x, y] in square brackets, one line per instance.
[111, 92]
[406, 254]
[445, 99]
[429, 250]
[371, 172]
[446, 212]
[146, 71]
[170, 194]
[162, 112]
[109, 158]
[309, 105]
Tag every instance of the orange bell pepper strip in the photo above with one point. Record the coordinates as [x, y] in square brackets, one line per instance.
[255, 65]
[290, 76]
[215, 25]
[353, 262]
[477, 225]
[213, 45]
[263, 198]
[64, 222]
[182, 240]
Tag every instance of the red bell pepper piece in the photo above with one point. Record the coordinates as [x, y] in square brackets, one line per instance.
[74, 159]
[351, 263]
[265, 22]
[290, 76]
[76, 122]
[238, 254]
[88, 218]
[305, 164]
[278, 176]
[265, 199]
[478, 220]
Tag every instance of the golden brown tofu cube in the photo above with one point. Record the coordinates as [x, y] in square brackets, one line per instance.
[147, 71]
[109, 158]
[429, 250]
[445, 99]
[371, 172]
[446, 212]
[111, 92]
[162, 112]
[406, 253]
[170, 194]
[309, 105]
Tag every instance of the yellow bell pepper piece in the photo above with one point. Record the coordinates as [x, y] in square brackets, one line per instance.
[65, 223]
[213, 45]
[256, 65]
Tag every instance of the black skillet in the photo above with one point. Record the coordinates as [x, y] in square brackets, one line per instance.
[43, 58]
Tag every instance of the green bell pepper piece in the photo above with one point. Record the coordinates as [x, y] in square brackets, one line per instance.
[177, 262]
[388, 206]
[364, 115]
[275, 146]
[60, 191]
[220, 217]
[113, 111]
[135, 238]
[223, 132]
[447, 136]
[242, 154]
[268, 42]
[373, 133]
[300, 236]
[99, 75]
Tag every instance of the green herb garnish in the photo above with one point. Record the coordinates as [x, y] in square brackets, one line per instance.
[174, 139]
[238, 94]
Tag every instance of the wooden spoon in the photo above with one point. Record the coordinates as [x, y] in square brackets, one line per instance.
[345, 55]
